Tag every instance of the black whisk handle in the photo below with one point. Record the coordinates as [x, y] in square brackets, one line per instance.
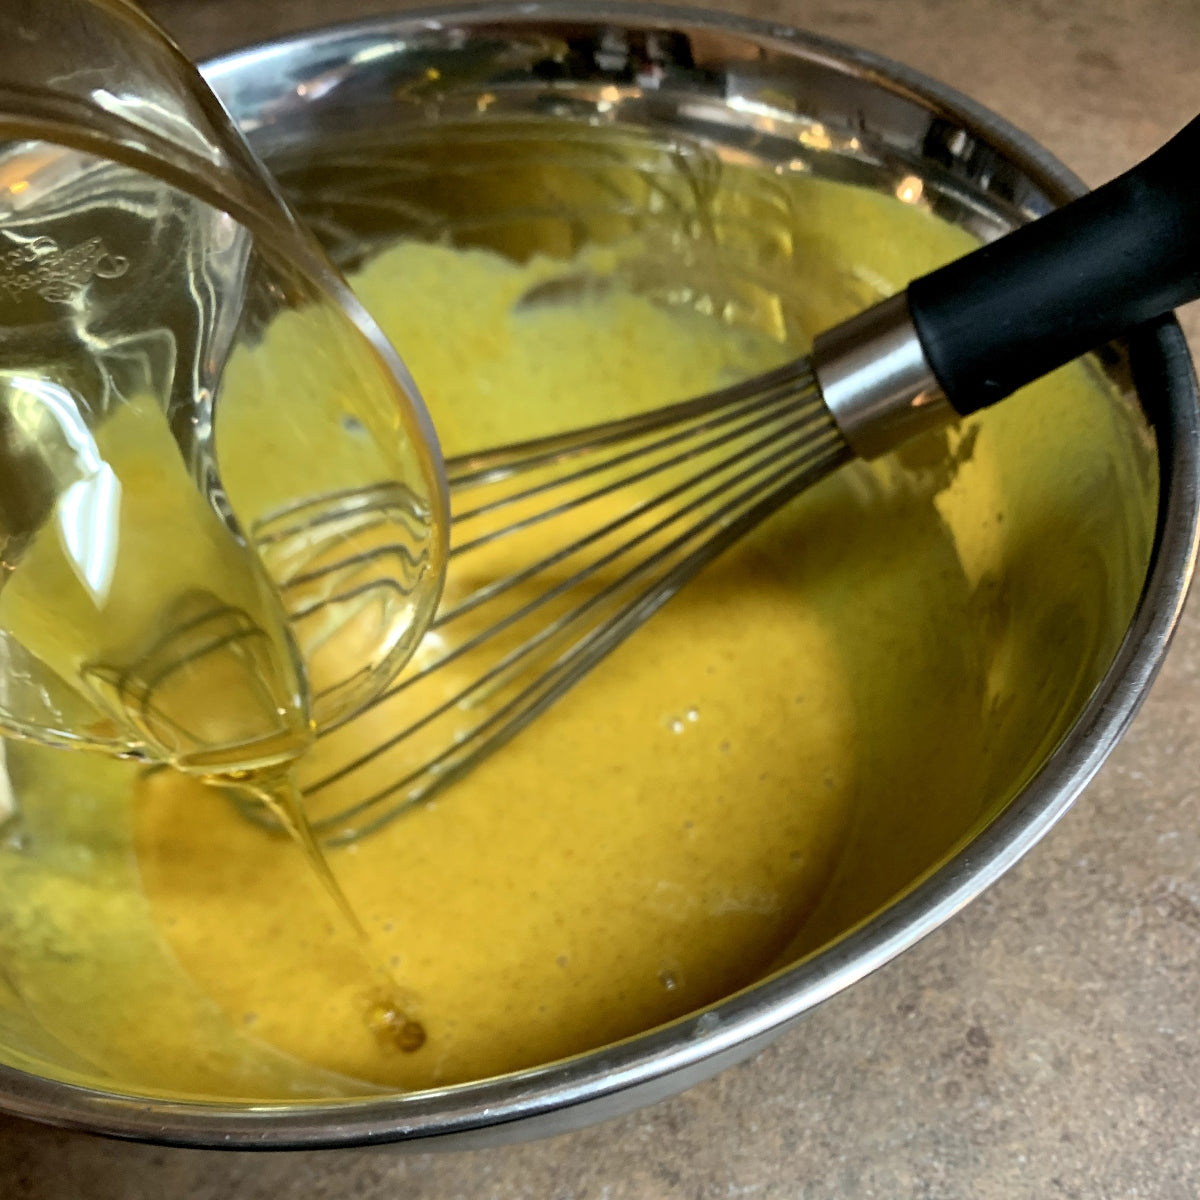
[1017, 308]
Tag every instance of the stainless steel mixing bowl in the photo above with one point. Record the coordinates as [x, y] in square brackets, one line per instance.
[389, 127]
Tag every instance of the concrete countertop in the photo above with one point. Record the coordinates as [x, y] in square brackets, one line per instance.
[1044, 1044]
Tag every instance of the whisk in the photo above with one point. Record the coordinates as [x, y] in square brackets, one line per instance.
[561, 547]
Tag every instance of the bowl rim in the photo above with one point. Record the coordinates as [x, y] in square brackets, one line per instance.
[645, 1067]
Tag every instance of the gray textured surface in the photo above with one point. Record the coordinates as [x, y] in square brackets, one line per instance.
[1047, 1042]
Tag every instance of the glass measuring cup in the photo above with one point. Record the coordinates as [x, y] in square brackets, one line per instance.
[222, 505]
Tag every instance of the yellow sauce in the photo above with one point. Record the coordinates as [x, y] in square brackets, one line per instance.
[793, 739]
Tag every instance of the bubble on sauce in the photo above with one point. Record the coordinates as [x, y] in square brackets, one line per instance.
[677, 724]
[669, 979]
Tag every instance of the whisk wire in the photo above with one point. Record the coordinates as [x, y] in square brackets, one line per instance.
[645, 504]
[793, 379]
[420, 783]
[544, 634]
[496, 588]
[762, 412]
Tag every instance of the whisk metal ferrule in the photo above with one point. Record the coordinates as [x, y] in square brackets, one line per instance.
[876, 381]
